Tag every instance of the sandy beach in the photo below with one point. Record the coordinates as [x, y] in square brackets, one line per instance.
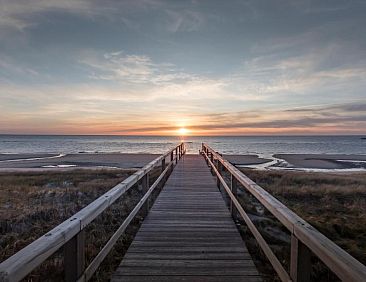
[45, 162]
[323, 161]
[37, 162]
[42, 161]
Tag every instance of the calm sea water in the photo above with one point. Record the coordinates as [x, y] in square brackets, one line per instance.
[262, 145]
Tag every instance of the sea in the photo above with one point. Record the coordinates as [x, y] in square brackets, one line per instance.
[264, 146]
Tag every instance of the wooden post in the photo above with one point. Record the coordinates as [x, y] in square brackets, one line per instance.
[300, 266]
[211, 158]
[171, 156]
[74, 257]
[163, 165]
[218, 182]
[176, 155]
[234, 190]
[145, 187]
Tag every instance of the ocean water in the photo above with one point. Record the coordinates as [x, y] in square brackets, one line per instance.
[264, 146]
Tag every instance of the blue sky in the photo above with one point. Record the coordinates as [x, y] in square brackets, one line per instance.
[151, 66]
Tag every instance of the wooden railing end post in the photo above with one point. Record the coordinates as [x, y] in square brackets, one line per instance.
[74, 257]
[300, 265]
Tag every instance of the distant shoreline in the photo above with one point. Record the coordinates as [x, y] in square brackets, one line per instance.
[59, 162]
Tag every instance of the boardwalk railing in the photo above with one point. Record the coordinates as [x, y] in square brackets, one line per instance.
[71, 233]
[305, 239]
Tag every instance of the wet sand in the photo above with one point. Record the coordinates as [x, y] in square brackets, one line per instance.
[108, 160]
[246, 159]
[6, 157]
[38, 162]
[323, 161]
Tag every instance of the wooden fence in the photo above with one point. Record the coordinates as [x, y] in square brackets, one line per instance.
[71, 233]
[305, 239]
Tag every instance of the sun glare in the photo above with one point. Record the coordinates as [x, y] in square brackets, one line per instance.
[183, 131]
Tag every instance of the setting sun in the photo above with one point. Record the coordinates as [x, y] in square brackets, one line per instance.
[183, 131]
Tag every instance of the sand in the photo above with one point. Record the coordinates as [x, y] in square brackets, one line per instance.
[114, 160]
[324, 161]
[39, 162]
[246, 159]
[6, 157]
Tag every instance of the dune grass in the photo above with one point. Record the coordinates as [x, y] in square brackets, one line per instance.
[335, 204]
[33, 203]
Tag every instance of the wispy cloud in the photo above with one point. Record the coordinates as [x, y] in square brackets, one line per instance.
[118, 66]
[184, 21]
[22, 14]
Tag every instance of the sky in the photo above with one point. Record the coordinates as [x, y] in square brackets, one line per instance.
[213, 67]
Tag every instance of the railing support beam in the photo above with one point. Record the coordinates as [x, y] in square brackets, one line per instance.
[219, 169]
[234, 190]
[300, 267]
[163, 165]
[145, 187]
[74, 257]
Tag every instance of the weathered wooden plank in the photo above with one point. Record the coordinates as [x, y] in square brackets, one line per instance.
[189, 255]
[182, 249]
[192, 264]
[184, 244]
[185, 278]
[186, 270]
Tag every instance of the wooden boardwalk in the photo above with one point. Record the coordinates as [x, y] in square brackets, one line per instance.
[189, 234]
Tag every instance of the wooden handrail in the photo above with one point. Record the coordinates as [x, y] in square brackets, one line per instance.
[70, 233]
[304, 237]
[262, 243]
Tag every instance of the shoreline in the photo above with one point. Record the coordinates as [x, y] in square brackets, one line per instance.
[286, 162]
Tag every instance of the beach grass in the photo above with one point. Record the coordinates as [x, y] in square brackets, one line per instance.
[334, 203]
[33, 203]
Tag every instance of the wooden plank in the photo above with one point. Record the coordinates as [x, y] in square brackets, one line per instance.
[188, 233]
[185, 278]
[222, 270]
[189, 256]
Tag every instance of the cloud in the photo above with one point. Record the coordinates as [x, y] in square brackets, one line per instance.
[118, 66]
[149, 80]
[20, 14]
[7, 66]
[184, 21]
[329, 70]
